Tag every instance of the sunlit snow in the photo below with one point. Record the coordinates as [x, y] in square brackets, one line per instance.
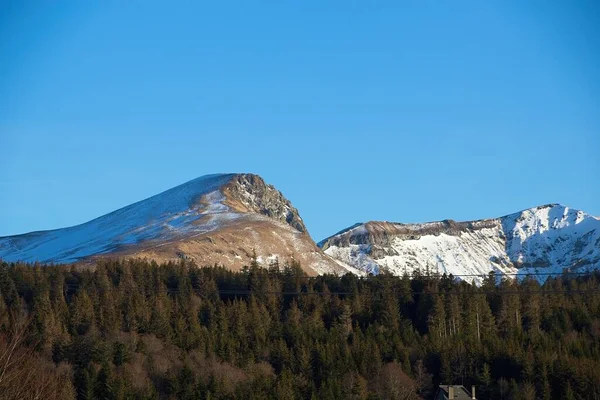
[194, 207]
[547, 239]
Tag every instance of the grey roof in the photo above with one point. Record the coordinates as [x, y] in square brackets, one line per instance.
[460, 392]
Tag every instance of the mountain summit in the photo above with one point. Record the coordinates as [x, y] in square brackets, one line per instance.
[225, 218]
[220, 218]
[545, 239]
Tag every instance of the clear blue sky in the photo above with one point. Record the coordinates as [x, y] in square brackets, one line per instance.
[356, 110]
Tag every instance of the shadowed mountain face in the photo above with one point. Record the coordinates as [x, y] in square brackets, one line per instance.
[543, 239]
[212, 219]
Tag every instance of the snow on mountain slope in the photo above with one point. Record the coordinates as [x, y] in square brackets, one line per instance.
[212, 219]
[172, 211]
[542, 239]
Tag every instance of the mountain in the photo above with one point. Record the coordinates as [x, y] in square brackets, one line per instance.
[224, 218]
[545, 239]
[219, 218]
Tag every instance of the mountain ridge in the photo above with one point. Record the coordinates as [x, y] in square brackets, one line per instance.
[447, 220]
[225, 218]
[218, 218]
[539, 237]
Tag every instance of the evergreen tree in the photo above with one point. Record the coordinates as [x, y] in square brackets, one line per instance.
[133, 329]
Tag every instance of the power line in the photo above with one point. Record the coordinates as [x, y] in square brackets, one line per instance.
[248, 292]
[437, 275]
[498, 274]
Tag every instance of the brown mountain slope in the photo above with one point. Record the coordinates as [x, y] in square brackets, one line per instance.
[219, 219]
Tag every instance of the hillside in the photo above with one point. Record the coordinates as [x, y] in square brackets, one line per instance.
[544, 239]
[141, 330]
[221, 218]
[226, 218]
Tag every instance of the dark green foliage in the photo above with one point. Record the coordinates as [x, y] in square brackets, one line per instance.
[135, 329]
[120, 355]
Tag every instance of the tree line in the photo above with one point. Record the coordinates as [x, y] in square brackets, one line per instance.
[136, 329]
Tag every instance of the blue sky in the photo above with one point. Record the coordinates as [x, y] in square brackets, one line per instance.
[356, 110]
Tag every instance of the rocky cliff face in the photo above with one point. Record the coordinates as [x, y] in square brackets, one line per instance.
[224, 218]
[548, 238]
[249, 193]
[214, 219]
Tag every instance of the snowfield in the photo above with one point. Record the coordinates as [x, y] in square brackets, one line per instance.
[546, 239]
[195, 206]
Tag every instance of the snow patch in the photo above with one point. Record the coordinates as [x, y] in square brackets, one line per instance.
[546, 239]
[194, 207]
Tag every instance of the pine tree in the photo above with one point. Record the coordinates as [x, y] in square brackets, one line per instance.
[484, 380]
[568, 393]
[108, 318]
[82, 313]
[345, 320]
[284, 388]
[103, 386]
[84, 382]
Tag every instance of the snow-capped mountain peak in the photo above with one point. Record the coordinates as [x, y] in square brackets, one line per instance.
[547, 238]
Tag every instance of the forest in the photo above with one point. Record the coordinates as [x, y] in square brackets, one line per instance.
[133, 329]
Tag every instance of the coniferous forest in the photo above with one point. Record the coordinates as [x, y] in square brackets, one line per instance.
[135, 329]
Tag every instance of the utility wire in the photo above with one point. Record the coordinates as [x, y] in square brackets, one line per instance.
[498, 274]
[247, 292]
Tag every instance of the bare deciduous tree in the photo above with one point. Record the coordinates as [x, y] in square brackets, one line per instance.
[25, 375]
[393, 383]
